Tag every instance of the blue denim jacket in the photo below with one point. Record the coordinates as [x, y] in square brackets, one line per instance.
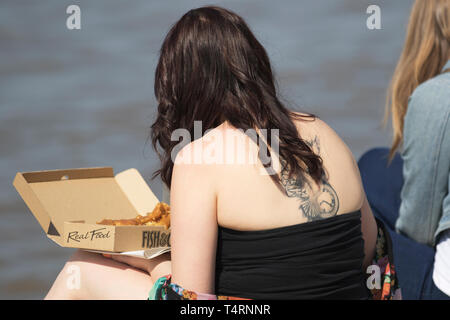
[425, 205]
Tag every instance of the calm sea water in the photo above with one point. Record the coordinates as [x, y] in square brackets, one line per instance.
[71, 99]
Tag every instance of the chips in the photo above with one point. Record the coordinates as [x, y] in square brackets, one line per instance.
[160, 216]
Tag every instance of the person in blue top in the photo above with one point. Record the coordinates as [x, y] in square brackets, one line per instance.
[410, 191]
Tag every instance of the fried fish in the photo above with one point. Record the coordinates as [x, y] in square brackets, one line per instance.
[160, 216]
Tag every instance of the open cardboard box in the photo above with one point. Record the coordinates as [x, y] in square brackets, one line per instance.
[67, 204]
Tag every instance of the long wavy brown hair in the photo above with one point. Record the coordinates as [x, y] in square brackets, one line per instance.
[212, 69]
[425, 52]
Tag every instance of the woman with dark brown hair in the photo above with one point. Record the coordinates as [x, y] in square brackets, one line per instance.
[266, 203]
[410, 192]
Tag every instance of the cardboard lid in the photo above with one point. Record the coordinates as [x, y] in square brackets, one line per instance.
[89, 195]
[137, 191]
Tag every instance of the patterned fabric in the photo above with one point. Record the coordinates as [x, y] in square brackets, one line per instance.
[386, 289]
[163, 289]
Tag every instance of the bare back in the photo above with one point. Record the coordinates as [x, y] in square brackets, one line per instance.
[248, 199]
[241, 196]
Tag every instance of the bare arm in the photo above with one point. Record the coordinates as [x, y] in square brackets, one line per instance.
[194, 227]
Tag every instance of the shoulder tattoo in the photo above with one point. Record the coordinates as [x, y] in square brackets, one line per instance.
[314, 204]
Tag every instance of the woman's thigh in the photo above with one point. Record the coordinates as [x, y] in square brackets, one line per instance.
[89, 275]
[383, 181]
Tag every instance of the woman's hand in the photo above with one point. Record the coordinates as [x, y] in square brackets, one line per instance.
[156, 267]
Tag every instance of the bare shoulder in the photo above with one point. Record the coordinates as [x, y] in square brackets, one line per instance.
[314, 129]
[190, 154]
[338, 160]
[191, 176]
[202, 156]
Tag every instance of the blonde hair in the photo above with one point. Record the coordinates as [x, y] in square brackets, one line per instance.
[425, 52]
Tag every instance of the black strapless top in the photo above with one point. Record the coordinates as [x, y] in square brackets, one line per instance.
[315, 260]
